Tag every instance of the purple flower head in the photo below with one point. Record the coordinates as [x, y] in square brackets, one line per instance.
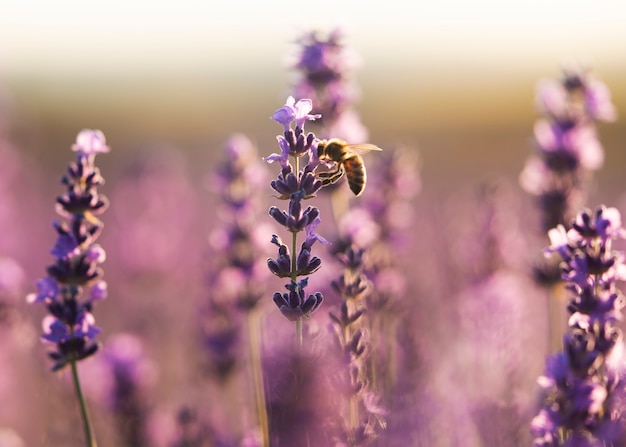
[582, 379]
[98, 291]
[54, 330]
[86, 326]
[95, 254]
[283, 157]
[286, 114]
[312, 236]
[70, 324]
[606, 223]
[296, 185]
[288, 185]
[66, 246]
[90, 142]
[281, 266]
[296, 219]
[568, 149]
[559, 241]
[47, 290]
[294, 111]
[322, 59]
[544, 428]
[294, 304]
[57, 331]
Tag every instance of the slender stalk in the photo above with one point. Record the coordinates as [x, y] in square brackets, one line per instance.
[299, 334]
[557, 306]
[353, 405]
[89, 435]
[257, 377]
[294, 265]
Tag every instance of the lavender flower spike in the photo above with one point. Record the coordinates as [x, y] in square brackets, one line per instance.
[585, 382]
[296, 185]
[70, 325]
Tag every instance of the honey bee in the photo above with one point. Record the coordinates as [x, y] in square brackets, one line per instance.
[348, 161]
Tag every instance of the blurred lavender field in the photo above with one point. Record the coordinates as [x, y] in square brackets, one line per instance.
[436, 262]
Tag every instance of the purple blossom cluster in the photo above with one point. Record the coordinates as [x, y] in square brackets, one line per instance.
[235, 276]
[70, 325]
[567, 147]
[363, 418]
[122, 380]
[324, 66]
[296, 185]
[584, 382]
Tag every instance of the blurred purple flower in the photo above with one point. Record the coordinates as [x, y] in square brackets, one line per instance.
[581, 382]
[324, 65]
[237, 270]
[122, 379]
[568, 149]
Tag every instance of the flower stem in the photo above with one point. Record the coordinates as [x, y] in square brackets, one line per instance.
[299, 334]
[294, 265]
[257, 377]
[89, 435]
[557, 305]
[353, 406]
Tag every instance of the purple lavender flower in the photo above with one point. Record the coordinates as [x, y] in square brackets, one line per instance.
[364, 418]
[324, 65]
[70, 326]
[121, 379]
[237, 271]
[567, 146]
[296, 185]
[584, 383]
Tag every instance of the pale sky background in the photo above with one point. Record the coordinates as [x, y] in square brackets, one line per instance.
[72, 36]
[188, 71]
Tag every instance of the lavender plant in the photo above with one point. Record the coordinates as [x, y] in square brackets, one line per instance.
[236, 276]
[363, 418]
[296, 185]
[567, 146]
[74, 281]
[122, 379]
[583, 385]
[559, 174]
[324, 66]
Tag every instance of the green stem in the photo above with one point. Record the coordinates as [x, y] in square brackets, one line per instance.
[294, 264]
[257, 377]
[299, 334]
[89, 435]
[353, 405]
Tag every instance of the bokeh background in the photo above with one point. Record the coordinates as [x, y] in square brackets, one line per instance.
[454, 81]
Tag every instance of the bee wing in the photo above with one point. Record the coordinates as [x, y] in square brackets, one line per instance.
[363, 148]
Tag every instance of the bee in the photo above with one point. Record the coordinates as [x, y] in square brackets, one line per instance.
[347, 160]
